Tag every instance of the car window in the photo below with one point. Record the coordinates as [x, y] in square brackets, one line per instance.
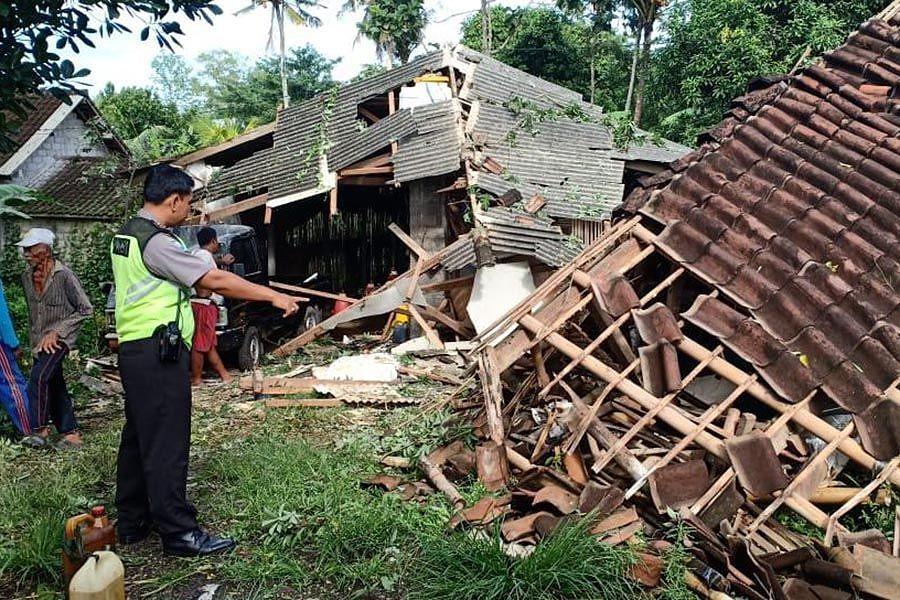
[245, 256]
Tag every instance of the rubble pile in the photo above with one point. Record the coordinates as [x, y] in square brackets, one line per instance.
[599, 398]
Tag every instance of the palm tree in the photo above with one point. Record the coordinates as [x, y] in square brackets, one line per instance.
[396, 26]
[298, 13]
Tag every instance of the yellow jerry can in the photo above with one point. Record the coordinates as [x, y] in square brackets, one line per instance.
[102, 577]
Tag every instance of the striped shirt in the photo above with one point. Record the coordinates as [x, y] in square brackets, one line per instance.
[62, 307]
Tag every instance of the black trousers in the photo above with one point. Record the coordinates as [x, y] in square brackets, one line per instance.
[50, 400]
[153, 455]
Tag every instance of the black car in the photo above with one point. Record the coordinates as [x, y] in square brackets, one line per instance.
[242, 326]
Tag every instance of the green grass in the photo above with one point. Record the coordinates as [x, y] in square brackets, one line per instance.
[568, 564]
[38, 491]
[287, 487]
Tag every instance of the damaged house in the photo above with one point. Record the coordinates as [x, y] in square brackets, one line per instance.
[427, 146]
[726, 355]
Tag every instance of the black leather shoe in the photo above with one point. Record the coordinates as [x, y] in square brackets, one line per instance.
[130, 536]
[196, 543]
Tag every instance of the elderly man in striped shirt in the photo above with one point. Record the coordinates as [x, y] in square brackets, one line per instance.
[57, 306]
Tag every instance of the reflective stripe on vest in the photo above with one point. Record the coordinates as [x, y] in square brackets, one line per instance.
[144, 301]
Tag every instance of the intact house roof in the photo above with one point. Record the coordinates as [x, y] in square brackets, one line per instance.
[66, 152]
[790, 210]
[502, 129]
[23, 129]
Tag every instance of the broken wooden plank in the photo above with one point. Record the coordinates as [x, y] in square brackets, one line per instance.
[802, 417]
[237, 208]
[410, 243]
[456, 326]
[492, 389]
[711, 414]
[429, 332]
[333, 201]
[320, 329]
[447, 285]
[310, 292]
[435, 476]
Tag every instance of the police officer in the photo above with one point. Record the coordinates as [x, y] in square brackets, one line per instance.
[154, 273]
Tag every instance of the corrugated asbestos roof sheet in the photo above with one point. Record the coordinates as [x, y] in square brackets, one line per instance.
[248, 174]
[567, 162]
[791, 208]
[499, 83]
[513, 232]
[571, 163]
[651, 150]
[436, 148]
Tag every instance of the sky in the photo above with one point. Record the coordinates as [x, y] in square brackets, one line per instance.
[124, 60]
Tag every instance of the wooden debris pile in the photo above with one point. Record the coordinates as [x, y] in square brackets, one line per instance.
[369, 379]
[422, 295]
[598, 396]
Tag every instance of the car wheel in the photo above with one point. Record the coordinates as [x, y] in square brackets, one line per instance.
[311, 318]
[251, 350]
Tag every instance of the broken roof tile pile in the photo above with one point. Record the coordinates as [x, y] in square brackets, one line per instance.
[792, 211]
[725, 356]
[540, 138]
[599, 398]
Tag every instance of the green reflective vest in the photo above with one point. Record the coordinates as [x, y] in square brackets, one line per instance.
[143, 300]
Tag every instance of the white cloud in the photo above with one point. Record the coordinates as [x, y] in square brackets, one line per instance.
[124, 60]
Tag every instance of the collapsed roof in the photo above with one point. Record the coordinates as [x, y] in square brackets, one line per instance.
[789, 210]
[507, 130]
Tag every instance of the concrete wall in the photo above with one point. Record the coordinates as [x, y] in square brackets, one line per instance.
[70, 139]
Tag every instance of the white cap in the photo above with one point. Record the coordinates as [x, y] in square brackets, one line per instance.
[35, 236]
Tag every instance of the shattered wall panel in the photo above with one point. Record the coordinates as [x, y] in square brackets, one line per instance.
[791, 209]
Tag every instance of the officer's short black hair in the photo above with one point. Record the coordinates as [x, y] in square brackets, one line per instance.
[205, 236]
[164, 180]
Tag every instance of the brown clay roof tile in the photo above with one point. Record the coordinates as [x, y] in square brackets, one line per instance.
[792, 210]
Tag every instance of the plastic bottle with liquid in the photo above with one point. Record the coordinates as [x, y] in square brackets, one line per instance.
[86, 533]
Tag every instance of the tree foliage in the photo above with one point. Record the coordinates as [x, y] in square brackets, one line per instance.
[712, 48]
[188, 109]
[172, 80]
[297, 12]
[550, 44]
[33, 31]
[396, 26]
[231, 88]
[131, 110]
